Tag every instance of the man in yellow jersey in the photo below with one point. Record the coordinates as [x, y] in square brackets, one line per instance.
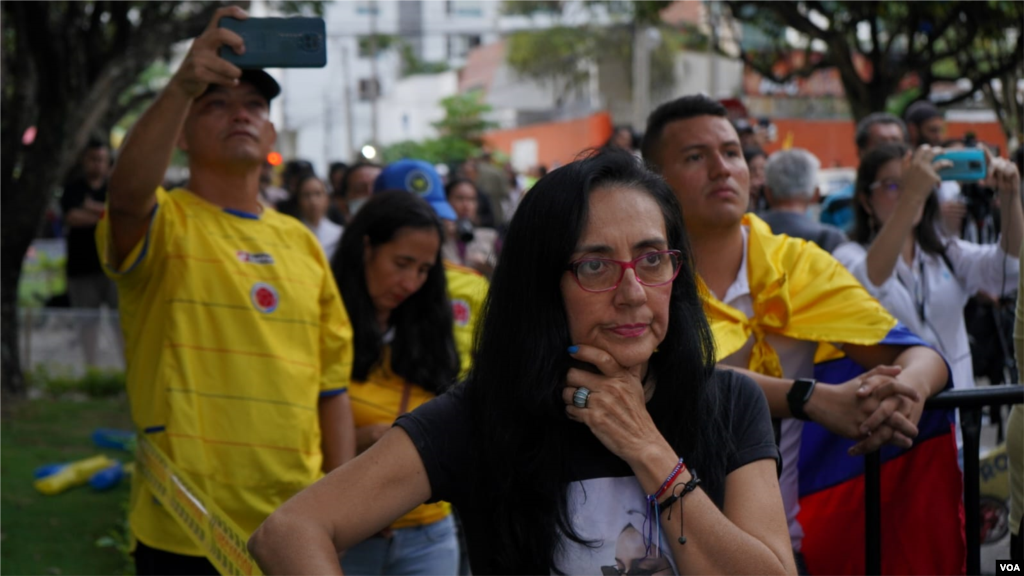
[238, 348]
[467, 288]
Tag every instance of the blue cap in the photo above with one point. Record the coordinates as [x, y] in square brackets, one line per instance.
[420, 178]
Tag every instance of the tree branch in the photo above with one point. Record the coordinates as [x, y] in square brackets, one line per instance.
[765, 69]
[987, 77]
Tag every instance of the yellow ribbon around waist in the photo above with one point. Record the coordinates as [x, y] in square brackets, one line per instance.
[223, 542]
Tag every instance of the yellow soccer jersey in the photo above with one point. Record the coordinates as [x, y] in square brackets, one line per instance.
[234, 329]
[467, 290]
[381, 400]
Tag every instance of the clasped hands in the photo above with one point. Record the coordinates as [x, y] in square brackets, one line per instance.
[875, 408]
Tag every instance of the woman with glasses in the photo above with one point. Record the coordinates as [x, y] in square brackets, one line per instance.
[899, 254]
[593, 392]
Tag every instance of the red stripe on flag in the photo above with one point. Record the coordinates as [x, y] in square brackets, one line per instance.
[922, 517]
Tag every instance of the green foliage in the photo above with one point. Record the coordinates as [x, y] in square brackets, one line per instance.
[383, 42]
[119, 539]
[96, 383]
[464, 117]
[461, 133]
[552, 56]
[531, 7]
[411, 64]
[443, 150]
[41, 277]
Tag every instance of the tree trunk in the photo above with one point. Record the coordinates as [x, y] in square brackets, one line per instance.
[13, 382]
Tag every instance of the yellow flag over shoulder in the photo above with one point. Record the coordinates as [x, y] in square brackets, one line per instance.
[798, 291]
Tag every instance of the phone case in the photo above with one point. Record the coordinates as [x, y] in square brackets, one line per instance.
[278, 42]
[968, 165]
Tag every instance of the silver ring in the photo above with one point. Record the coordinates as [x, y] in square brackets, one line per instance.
[579, 397]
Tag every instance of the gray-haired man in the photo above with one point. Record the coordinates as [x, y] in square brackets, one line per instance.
[791, 186]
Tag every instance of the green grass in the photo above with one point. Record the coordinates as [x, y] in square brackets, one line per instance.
[57, 534]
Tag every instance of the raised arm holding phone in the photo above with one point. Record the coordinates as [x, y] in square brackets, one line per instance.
[899, 254]
[238, 346]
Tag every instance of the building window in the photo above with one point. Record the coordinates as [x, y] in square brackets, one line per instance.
[464, 8]
[369, 89]
[460, 45]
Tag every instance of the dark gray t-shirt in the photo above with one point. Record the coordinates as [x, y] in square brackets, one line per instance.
[826, 236]
[606, 500]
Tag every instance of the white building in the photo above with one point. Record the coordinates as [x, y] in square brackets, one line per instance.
[328, 113]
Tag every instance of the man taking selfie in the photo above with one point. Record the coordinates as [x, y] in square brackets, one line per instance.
[238, 347]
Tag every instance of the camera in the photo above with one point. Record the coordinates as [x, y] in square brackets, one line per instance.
[464, 230]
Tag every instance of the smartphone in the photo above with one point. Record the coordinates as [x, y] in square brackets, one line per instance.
[278, 42]
[968, 165]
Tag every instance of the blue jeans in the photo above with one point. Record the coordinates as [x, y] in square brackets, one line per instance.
[430, 550]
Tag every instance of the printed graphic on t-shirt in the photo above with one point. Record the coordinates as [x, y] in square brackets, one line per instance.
[611, 513]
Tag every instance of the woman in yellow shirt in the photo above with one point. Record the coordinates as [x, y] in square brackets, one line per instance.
[392, 280]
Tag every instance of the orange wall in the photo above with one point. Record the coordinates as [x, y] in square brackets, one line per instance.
[832, 140]
[558, 143]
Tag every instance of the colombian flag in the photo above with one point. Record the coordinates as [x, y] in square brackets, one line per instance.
[921, 490]
[800, 291]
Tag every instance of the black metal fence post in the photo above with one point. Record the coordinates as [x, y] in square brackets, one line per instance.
[970, 423]
[969, 403]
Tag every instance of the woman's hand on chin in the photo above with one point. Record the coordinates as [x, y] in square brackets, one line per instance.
[616, 407]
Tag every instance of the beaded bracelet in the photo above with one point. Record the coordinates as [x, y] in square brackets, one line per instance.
[651, 529]
[671, 478]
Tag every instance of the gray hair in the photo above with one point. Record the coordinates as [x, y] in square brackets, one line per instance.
[863, 133]
[792, 174]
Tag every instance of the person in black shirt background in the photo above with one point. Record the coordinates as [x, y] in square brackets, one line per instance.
[82, 204]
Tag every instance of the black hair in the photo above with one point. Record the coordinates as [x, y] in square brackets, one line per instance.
[633, 140]
[751, 152]
[343, 191]
[455, 182]
[95, 142]
[423, 349]
[522, 437]
[921, 111]
[301, 178]
[335, 166]
[866, 226]
[863, 131]
[678, 109]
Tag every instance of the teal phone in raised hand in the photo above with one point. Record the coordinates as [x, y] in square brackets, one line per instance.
[968, 165]
[296, 42]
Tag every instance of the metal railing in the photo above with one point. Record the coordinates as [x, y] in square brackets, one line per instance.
[969, 403]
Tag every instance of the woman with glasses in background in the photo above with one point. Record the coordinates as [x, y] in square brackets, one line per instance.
[899, 254]
[593, 392]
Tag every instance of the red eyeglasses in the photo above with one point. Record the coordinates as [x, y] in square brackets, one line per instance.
[603, 274]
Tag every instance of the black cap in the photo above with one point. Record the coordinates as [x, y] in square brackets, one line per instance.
[921, 111]
[263, 83]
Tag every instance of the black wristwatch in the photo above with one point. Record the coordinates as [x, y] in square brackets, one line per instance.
[798, 396]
